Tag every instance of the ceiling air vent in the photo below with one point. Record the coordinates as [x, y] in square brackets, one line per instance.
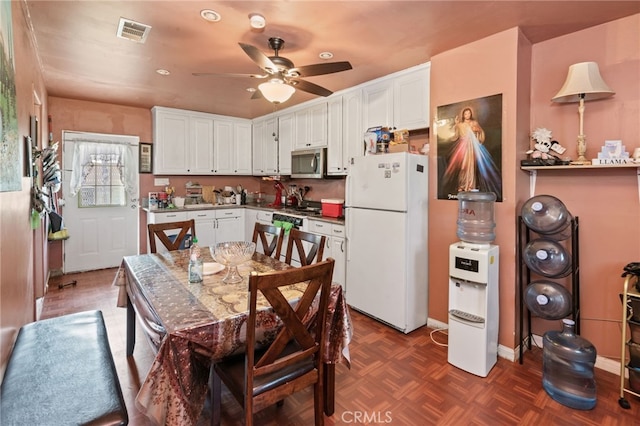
[132, 30]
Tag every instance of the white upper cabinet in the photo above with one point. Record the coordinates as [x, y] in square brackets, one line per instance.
[171, 136]
[411, 99]
[335, 165]
[196, 143]
[265, 146]
[201, 145]
[242, 138]
[378, 104]
[345, 131]
[399, 101]
[285, 142]
[352, 128]
[223, 153]
[311, 126]
[232, 147]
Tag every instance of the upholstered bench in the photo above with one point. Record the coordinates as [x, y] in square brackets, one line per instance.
[61, 372]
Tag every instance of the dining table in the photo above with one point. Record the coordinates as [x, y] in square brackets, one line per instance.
[191, 325]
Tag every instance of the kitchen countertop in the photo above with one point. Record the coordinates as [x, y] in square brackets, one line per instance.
[265, 207]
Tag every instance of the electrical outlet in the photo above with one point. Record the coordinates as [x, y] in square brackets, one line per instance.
[161, 181]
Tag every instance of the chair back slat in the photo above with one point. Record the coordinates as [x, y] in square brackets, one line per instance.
[296, 239]
[262, 233]
[159, 230]
[309, 341]
[293, 361]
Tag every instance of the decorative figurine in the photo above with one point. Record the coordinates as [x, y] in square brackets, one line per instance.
[545, 150]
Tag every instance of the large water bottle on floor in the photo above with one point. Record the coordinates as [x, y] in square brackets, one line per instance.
[567, 367]
[476, 217]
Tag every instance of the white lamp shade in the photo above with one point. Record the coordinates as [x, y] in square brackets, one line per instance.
[583, 79]
[276, 91]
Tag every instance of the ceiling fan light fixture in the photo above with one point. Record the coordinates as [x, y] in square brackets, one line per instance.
[276, 91]
[210, 15]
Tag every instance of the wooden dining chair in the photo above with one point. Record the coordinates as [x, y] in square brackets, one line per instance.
[293, 361]
[263, 232]
[160, 230]
[316, 250]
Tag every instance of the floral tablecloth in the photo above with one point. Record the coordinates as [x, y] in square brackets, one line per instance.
[192, 324]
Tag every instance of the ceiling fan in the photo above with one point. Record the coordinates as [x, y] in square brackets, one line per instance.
[282, 76]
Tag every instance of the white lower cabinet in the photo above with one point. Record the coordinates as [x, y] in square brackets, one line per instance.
[335, 247]
[163, 217]
[229, 225]
[205, 226]
[212, 226]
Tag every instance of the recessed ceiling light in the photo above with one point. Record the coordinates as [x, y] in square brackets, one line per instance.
[210, 15]
[163, 72]
[326, 55]
[251, 89]
[257, 21]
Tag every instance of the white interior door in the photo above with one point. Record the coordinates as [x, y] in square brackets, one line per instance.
[100, 235]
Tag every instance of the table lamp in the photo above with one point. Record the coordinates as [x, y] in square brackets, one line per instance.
[583, 83]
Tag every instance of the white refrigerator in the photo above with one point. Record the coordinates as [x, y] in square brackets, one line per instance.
[386, 214]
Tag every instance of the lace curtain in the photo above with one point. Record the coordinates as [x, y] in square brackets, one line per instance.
[86, 153]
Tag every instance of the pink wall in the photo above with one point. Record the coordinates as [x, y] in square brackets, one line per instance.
[605, 200]
[83, 116]
[486, 67]
[17, 270]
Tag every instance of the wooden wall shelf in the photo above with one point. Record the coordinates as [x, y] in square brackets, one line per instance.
[533, 172]
[574, 167]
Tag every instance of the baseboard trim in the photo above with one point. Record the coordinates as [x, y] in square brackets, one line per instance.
[513, 355]
[56, 273]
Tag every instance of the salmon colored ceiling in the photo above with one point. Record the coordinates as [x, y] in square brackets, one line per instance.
[82, 58]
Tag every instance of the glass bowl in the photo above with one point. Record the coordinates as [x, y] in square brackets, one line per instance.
[231, 254]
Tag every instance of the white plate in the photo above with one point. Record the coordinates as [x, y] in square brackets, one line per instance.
[210, 268]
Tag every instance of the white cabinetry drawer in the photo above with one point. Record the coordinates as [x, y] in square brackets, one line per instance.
[201, 214]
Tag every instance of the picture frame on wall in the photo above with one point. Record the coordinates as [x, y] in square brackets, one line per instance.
[145, 164]
[28, 157]
[469, 144]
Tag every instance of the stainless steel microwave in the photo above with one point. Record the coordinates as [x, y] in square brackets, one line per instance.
[309, 163]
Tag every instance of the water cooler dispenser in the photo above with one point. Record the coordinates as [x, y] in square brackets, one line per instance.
[473, 307]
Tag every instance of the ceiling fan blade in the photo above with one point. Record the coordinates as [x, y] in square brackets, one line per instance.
[259, 58]
[200, 74]
[257, 95]
[309, 87]
[320, 69]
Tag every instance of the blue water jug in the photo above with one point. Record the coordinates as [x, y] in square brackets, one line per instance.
[567, 367]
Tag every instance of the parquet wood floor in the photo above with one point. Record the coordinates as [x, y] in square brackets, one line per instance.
[395, 379]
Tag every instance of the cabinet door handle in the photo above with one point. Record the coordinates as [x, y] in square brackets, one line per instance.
[342, 246]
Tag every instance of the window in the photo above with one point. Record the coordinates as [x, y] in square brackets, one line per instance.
[103, 174]
[102, 182]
